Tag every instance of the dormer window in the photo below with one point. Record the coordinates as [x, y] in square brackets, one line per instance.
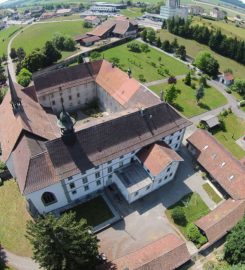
[205, 147]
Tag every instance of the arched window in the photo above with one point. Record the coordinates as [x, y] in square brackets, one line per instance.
[48, 198]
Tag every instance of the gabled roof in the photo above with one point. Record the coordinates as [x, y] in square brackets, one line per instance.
[211, 120]
[219, 163]
[222, 219]
[32, 118]
[167, 253]
[228, 76]
[157, 156]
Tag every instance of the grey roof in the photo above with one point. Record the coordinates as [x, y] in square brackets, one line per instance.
[211, 120]
[134, 177]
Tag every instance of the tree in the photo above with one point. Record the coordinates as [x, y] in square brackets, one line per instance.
[178, 215]
[24, 77]
[172, 80]
[151, 36]
[174, 44]
[194, 235]
[51, 53]
[181, 52]
[164, 24]
[80, 59]
[235, 245]
[171, 94]
[239, 87]
[63, 243]
[159, 43]
[188, 79]
[207, 63]
[4, 57]
[199, 93]
[145, 48]
[134, 47]
[95, 55]
[166, 46]
[87, 25]
[3, 92]
[58, 41]
[20, 53]
[69, 44]
[144, 34]
[203, 81]
[13, 53]
[34, 61]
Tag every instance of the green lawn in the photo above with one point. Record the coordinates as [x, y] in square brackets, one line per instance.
[131, 12]
[229, 28]
[193, 47]
[38, 34]
[142, 63]
[5, 36]
[13, 218]
[235, 128]
[211, 193]
[194, 208]
[62, 18]
[95, 211]
[186, 101]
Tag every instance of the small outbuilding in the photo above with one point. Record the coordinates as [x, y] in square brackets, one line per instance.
[210, 121]
[93, 20]
[86, 40]
[227, 78]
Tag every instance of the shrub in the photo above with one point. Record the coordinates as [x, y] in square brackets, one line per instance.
[142, 78]
[178, 215]
[172, 80]
[242, 103]
[194, 235]
[24, 77]
[3, 166]
[202, 125]
[204, 175]
[134, 47]
[95, 55]
[193, 86]
[228, 90]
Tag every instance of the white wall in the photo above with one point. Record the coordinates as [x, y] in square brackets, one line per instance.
[57, 190]
[174, 140]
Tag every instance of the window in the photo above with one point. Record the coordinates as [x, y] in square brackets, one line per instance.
[97, 175]
[176, 145]
[168, 169]
[85, 180]
[110, 176]
[72, 185]
[148, 187]
[70, 178]
[121, 157]
[70, 97]
[159, 181]
[53, 102]
[170, 141]
[48, 198]
[86, 187]
[109, 169]
[171, 174]
[78, 94]
[178, 138]
[74, 192]
[136, 193]
[165, 177]
[109, 162]
[120, 164]
[98, 182]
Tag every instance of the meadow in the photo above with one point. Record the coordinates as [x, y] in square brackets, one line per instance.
[193, 48]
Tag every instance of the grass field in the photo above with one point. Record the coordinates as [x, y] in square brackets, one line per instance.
[211, 193]
[186, 101]
[142, 63]
[5, 36]
[38, 34]
[194, 208]
[13, 219]
[229, 28]
[61, 18]
[131, 12]
[193, 47]
[95, 211]
[235, 128]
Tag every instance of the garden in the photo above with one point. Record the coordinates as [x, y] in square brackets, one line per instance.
[185, 212]
[186, 99]
[147, 64]
[211, 193]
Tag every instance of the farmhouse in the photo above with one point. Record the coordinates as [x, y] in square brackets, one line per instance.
[57, 161]
[93, 20]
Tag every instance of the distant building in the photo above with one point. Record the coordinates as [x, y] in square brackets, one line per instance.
[217, 13]
[64, 12]
[195, 10]
[227, 78]
[173, 9]
[47, 15]
[103, 9]
[2, 25]
[93, 20]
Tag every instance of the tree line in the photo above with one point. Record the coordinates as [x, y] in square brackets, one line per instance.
[218, 42]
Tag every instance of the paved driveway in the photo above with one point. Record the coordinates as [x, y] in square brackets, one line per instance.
[144, 221]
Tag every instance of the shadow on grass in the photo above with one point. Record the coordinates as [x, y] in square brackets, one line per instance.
[204, 106]
[178, 107]
[3, 259]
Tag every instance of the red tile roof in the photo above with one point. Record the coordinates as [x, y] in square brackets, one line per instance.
[222, 219]
[219, 163]
[157, 156]
[90, 18]
[229, 76]
[167, 253]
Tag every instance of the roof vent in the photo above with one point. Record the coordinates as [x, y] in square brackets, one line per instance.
[231, 177]
[222, 164]
[213, 156]
[205, 147]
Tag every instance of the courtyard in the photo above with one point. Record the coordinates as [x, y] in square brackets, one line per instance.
[145, 220]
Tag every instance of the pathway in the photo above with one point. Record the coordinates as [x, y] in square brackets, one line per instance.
[19, 262]
[178, 77]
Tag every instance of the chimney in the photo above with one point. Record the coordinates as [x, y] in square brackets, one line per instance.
[129, 72]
